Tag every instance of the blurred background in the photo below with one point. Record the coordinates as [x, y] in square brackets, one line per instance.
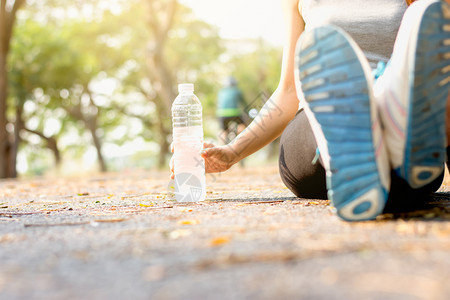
[87, 85]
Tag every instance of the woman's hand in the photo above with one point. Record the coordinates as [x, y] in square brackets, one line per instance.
[172, 174]
[217, 158]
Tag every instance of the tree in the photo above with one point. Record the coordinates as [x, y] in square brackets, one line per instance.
[58, 60]
[8, 145]
[162, 21]
[61, 59]
[40, 61]
[178, 48]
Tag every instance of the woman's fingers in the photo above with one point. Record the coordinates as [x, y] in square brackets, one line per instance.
[217, 159]
[207, 148]
[209, 152]
[172, 175]
[208, 145]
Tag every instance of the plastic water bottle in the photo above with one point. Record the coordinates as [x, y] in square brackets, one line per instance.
[189, 166]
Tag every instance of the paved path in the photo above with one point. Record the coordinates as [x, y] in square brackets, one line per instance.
[119, 236]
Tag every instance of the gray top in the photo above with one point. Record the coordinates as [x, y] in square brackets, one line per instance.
[372, 24]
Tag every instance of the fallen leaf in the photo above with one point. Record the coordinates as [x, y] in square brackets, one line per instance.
[146, 205]
[184, 209]
[188, 222]
[218, 241]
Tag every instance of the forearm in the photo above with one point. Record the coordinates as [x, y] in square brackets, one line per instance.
[268, 124]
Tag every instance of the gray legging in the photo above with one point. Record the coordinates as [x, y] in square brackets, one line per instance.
[307, 180]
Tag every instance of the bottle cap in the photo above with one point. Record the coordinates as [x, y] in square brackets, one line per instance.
[185, 87]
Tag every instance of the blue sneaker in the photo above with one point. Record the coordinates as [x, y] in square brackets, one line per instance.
[412, 93]
[334, 77]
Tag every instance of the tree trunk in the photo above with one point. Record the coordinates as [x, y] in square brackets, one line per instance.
[4, 142]
[14, 144]
[91, 123]
[7, 154]
[159, 71]
[92, 126]
[4, 47]
[164, 132]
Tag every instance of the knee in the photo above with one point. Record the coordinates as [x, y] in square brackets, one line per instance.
[309, 185]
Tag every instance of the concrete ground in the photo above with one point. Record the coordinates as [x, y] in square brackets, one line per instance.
[120, 236]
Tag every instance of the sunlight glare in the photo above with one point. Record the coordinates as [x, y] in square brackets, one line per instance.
[239, 19]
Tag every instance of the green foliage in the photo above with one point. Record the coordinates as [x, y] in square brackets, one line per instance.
[257, 72]
[68, 71]
[37, 64]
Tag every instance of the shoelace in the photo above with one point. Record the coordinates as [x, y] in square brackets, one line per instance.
[316, 157]
[381, 66]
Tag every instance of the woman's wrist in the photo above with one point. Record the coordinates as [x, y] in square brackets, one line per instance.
[232, 153]
[240, 148]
